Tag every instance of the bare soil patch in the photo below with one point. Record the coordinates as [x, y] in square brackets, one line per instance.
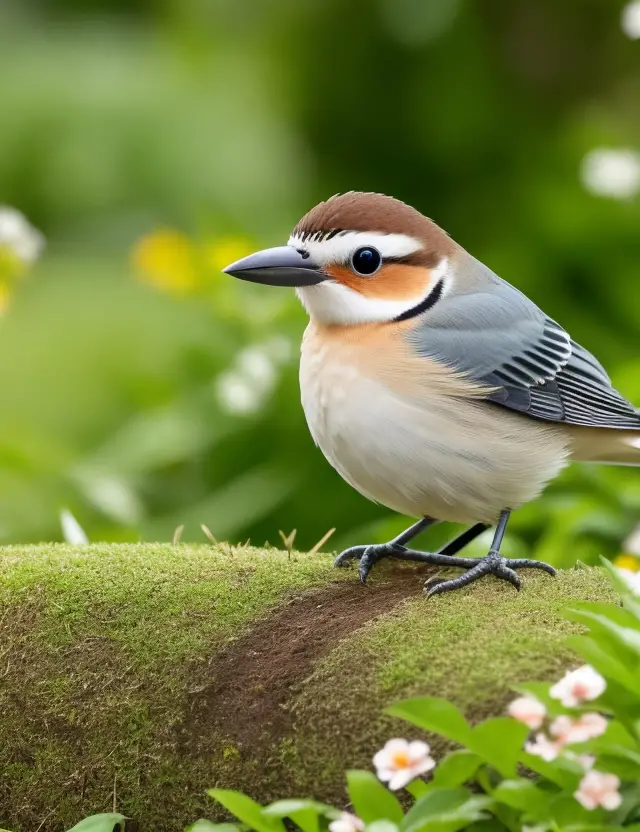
[253, 679]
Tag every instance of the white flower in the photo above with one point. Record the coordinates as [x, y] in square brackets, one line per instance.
[578, 686]
[244, 387]
[72, 531]
[279, 348]
[346, 823]
[632, 543]
[256, 366]
[19, 236]
[543, 747]
[631, 579]
[567, 730]
[630, 20]
[236, 394]
[611, 172]
[598, 789]
[529, 710]
[400, 762]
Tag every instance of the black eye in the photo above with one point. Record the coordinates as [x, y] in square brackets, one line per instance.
[366, 260]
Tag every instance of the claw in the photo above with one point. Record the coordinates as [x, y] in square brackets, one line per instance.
[507, 574]
[437, 588]
[525, 563]
[370, 557]
[349, 554]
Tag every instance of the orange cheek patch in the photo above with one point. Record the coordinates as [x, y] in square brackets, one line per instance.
[395, 281]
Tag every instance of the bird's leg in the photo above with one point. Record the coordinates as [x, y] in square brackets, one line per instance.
[492, 564]
[369, 555]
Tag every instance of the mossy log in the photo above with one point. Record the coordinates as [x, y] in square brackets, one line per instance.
[140, 675]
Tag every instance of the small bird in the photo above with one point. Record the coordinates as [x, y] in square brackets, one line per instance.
[433, 386]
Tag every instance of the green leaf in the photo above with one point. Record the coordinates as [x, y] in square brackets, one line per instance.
[566, 811]
[604, 662]
[489, 825]
[456, 768]
[434, 714]
[499, 741]
[596, 827]
[203, 825]
[608, 634]
[618, 583]
[523, 794]
[304, 813]
[417, 788]
[445, 810]
[246, 810]
[614, 764]
[434, 803]
[100, 823]
[556, 772]
[619, 615]
[371, 801]
[382, 826]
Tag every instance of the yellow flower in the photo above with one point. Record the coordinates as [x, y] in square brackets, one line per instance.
[226, 250]
[11, 266]
[5, 296]
[627, 562]
[166, 259]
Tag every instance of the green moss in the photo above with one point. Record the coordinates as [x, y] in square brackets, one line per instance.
[131, 593]
[470, 647]
[166, 670]
[101, 644]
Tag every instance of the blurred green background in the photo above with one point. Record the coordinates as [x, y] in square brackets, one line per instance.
[154, 141]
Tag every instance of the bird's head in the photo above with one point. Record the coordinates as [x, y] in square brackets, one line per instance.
[358, 258]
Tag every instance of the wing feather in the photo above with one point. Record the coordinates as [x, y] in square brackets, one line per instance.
[496, 336]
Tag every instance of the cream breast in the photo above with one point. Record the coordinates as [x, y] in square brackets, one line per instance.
[414, 437]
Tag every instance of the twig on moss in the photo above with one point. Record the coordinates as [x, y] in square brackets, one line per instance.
[208, 533]
[321, 542]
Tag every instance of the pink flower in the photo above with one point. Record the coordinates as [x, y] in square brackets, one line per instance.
[585, 760]
[529, 710]
[567, 730]
[346, 823]
[543, 747]
[400, 762]
[578, 686]
[598, 789]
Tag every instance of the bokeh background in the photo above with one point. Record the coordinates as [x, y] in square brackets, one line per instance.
[153, 141]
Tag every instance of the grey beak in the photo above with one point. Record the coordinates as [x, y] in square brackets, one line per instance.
[281, 266]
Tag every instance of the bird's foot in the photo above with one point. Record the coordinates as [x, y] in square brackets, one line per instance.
[368, 556]
[492, 564]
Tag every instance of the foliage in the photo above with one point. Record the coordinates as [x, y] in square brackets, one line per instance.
[495, 781]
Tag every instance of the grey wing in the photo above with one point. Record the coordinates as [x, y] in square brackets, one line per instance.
[498, 337]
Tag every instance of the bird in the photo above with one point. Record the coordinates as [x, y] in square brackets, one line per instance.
[433, 386]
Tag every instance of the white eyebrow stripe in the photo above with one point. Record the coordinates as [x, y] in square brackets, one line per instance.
[338, 249]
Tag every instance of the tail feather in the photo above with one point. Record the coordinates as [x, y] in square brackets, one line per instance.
[608, 446]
